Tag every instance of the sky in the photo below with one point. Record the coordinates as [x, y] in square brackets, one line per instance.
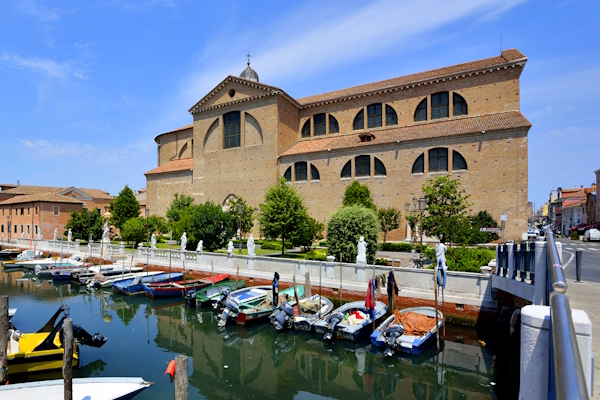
[85, 87]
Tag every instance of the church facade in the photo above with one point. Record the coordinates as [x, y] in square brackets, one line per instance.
[393, 135]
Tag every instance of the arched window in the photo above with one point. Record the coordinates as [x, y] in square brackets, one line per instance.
[288, 174]
[459, 103]
[231, 123]
[379, 168]
[347, 170]
[306, 129]
[374, 115]
[333, 125]
[359, 120]
[300, 171]
[458, 161]
[421, 111]
[419, 165]
[438, 159]
[390, 116]
[314, 173]
[319, 125]
[362, 166]
[439, 105]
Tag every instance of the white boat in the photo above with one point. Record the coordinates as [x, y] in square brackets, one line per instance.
[46, 263]
[336, 324]
[29, 255]
[107, 281]
[309, 311]
[83, 388]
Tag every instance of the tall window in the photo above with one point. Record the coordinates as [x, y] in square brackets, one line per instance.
[359, 120]
[231, 122]
[419, 165]
[347, 170]
[438, 159]
[439, 105]
[362, 166]
[320, 127]
[458, 161]
[391, 118]
[333, 125]
[306, 129]
[56, 210]
[288, 174]
[314, 173]
[374, 115]
[459, 103]
[379, 168]
[421, 111]
[300, 171]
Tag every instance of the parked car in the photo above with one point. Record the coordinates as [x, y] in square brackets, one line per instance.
[591, 234]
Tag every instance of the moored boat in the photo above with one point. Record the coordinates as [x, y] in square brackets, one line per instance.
[7, 253]
[229, 302]
[84, 276]
[410, 330]
[205, 296]
[304, 315]
[350, 321]
[45, 263]
[261, 309]
[180, 288]
[133, 285]
[105, 388]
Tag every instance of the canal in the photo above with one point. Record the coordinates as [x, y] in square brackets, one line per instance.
[254, 362]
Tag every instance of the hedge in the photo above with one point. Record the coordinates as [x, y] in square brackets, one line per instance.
[402, 246]
[463, 258]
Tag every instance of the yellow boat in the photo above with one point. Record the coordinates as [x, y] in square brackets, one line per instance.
[43, 350]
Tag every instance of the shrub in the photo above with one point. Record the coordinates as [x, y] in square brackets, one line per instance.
[395, 246]
[274, 245]
[323, 243]
[573, 235]
[464, 259]
[381, 261]
[345, 228]
[317, 255]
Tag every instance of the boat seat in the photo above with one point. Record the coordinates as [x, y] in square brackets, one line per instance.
[13, 341]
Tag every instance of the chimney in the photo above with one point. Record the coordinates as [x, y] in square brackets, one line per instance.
[18, 182]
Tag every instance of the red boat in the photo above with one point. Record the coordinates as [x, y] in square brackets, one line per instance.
[180, 288]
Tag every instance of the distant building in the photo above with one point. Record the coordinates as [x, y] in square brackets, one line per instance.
[140, 195]
[31, 209]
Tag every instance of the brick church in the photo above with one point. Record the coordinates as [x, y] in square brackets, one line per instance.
[463, 120]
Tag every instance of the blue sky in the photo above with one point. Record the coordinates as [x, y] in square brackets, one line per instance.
[86, 86]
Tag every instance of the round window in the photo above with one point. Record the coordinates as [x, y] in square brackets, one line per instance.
[232, 93]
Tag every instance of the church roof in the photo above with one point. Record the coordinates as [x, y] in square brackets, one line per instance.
[49, 197]
[183, 128]
[249, 74]
[184, 164]
[455, 127]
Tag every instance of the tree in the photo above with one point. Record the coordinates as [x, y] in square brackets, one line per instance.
[482, 219]
[247, 215]
[283, 214]
[157, 224]
[178, 204]
[389, 219]
[345, 228]
[358, 194]
[311, 230]
[206, 222]
[134, 230]
[124, 207]
[446, 208]
[78, 223]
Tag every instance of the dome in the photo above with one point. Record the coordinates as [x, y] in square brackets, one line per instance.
[249, 74]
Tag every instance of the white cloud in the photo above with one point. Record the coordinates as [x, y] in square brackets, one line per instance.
[31, 7]
[48, 67]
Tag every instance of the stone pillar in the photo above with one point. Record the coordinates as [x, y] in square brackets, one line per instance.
[250, 259]
[230, 261]
[329, 267]
[511, 260]
[541, 270]
[360, 272]
[140, 251]
[122, 248]
[301, 268]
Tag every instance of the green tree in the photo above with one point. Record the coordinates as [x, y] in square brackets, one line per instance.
[389, 219]
[446, 208]
[247, 215]
[311, 231]
[345, 228]
[482, 219]
[124, 207]
[157, 224]
[206, 222]
[134, 230]
[78, 223]
[179, 203]
[283, 214]
[358, 194]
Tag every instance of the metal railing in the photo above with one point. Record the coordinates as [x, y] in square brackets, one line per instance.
[567, 380]
[522, 258]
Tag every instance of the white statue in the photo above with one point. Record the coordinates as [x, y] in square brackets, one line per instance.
[361, 258]
[69, 235]
[40, 236]
[183, 241]
[105, 232]
[55, 233]
[200, 246]
[22, 235]
[153, 241]
[440, 253]
[230, 248]
[251, 246]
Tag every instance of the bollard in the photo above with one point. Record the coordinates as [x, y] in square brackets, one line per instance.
[308, 292]
[578, 256]
[67, 368]
[3, 338]
[181, 377]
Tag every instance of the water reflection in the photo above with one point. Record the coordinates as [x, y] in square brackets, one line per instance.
[243, 361]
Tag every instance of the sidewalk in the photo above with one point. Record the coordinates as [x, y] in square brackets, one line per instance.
[584, 296]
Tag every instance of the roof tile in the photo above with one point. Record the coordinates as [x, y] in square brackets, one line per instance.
[50, 197]
[184, 164]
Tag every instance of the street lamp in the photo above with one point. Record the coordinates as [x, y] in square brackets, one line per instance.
[419, 207]
[240, 210]
[147, 240]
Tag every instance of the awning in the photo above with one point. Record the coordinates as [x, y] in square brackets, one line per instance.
[583, 227]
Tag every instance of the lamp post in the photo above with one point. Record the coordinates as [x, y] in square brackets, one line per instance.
[240, 210]
[422, 207]
[147, 240]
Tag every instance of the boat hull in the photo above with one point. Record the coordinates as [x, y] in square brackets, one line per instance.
[249, 314]
[205, 296]
[179, 289]
[347, 331]
[133, 289]
[27, 361]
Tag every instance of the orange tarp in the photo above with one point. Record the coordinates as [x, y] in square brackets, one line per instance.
[414, 324]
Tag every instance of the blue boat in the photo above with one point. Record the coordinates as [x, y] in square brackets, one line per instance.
[344, 323]
[62, 276]
[135, 285]
[391, 337]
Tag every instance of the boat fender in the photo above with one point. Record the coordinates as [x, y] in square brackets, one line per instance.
[441, 275]
[171, 370]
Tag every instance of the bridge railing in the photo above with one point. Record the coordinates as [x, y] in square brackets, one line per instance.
[516, 261]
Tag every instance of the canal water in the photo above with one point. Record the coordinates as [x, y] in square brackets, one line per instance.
[252, 362]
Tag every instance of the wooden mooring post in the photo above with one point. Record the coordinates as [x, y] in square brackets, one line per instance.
[67, 368]
[181, 377]
[308, 291]
[3, 338]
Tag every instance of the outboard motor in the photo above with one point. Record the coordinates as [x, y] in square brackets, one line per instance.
[83, 337]
[282, 317]
[191, 297]
[332, 322]
[221, 301]
[230, 307]
[390, 335]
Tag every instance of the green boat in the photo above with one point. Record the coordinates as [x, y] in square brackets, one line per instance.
[261, 309]
[205, 296]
